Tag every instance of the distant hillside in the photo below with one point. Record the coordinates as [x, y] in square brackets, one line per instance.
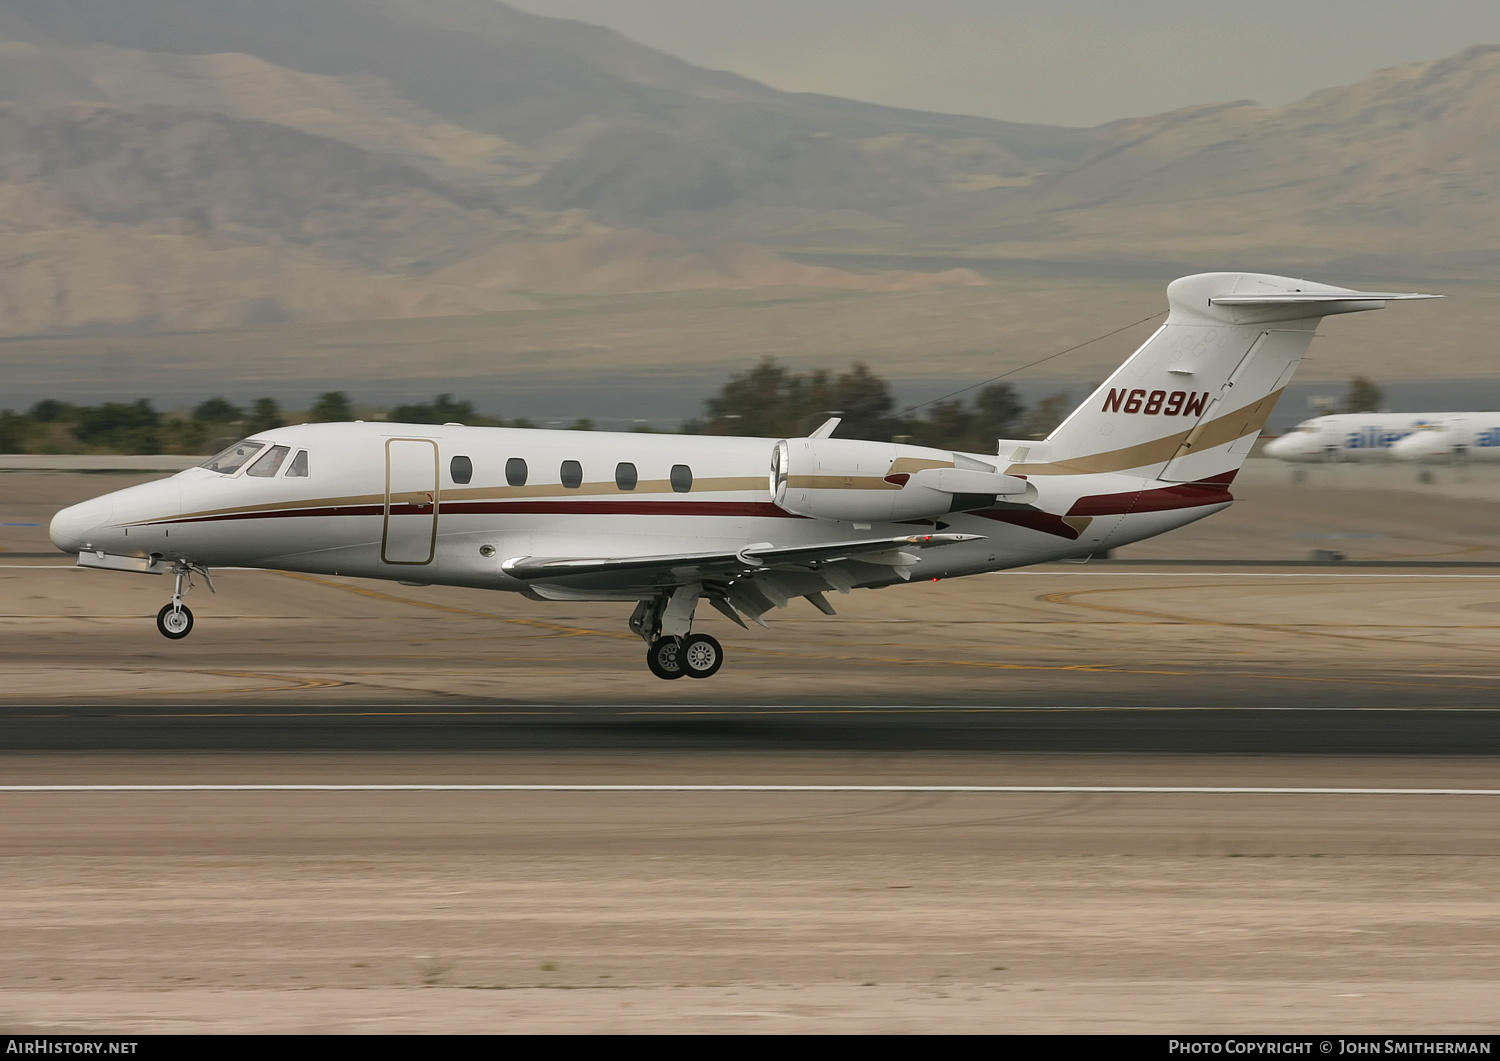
[161, 217]
[1398, 172]
[203, 163]
[571, 91]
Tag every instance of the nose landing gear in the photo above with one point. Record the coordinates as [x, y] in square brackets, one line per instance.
[175, 620]
[672, 652]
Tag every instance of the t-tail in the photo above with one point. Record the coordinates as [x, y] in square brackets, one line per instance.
[1188, 405]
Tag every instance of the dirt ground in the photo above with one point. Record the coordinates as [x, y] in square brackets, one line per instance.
[468, 912]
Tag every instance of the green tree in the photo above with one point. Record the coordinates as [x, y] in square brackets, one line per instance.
[217, 411]
[771, 401]
[50, 411]
[265, 415]
[1045, 415]
[753, 403]
[119, 428]
[179, 435]
[441, 410]
[1363, 396]
[14, 429]
[995, 414]
[863, 400]
[998, 413]
[331, 407]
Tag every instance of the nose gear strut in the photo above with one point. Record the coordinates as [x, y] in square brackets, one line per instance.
[175, 620]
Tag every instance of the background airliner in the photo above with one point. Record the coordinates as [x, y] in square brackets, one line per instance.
[747, 524]
[1453, 438]
[1349, 436]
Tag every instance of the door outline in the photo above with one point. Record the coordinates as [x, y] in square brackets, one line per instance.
[433, 502]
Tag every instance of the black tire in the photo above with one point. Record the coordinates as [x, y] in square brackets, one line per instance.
[662, 658]
[701, 656]
[175, 623]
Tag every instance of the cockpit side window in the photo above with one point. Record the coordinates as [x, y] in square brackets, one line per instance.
[269, 463]
[298, 470]
[233, 458]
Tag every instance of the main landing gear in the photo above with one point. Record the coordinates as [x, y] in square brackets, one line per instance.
[665, 623]
[175, 620]
[697, 656]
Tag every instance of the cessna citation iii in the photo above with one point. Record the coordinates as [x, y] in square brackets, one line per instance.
[746, 524]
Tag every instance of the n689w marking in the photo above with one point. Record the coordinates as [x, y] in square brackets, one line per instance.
[1153, 403]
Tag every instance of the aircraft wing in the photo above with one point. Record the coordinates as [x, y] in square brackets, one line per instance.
[681, 568]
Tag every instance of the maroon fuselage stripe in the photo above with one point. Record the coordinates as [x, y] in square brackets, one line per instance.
[619, 508]
[486, 508]
[1031, 519]
[1211, 491]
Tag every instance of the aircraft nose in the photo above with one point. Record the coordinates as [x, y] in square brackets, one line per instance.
[1415, 447]
[70, 528]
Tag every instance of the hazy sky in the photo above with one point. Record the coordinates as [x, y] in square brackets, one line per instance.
[1061, 62]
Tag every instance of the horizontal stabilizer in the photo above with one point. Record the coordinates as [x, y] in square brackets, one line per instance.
[1285, 298]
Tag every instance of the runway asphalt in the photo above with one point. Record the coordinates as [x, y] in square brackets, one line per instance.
[360, 728]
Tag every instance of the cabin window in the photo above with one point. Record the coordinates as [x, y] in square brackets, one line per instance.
[269, 463]
[682, 478]
[515, 471]
[572, 474]
[298, 470]
[462, 469]
[625, 477]
[233, 458]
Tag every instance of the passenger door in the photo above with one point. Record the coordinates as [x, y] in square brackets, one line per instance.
[411, 501]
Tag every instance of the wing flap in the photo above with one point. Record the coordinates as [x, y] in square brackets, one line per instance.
[694, 566]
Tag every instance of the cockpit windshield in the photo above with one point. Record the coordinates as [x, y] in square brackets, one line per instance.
[270, 464]
[233, 458]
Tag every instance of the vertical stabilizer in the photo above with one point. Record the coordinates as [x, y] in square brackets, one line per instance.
[1190, 403]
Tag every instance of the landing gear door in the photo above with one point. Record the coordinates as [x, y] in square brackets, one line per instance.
[409, 535]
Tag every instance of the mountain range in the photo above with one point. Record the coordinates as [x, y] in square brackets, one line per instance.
[212, 163]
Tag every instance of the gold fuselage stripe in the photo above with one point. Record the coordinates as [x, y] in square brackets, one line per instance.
[1219, 431]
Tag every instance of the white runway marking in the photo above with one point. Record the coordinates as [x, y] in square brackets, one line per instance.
[1118, 789]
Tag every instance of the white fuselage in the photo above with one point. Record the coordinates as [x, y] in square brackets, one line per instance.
[418, 503]
[1347, 437]
[1453, 438]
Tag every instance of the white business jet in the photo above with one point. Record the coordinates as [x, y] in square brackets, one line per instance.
[747, 524]
[1357, 437]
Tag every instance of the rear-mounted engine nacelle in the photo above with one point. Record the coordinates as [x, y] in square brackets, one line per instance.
[850, 480]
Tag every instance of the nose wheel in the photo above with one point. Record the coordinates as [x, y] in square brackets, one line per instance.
[174, 621]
